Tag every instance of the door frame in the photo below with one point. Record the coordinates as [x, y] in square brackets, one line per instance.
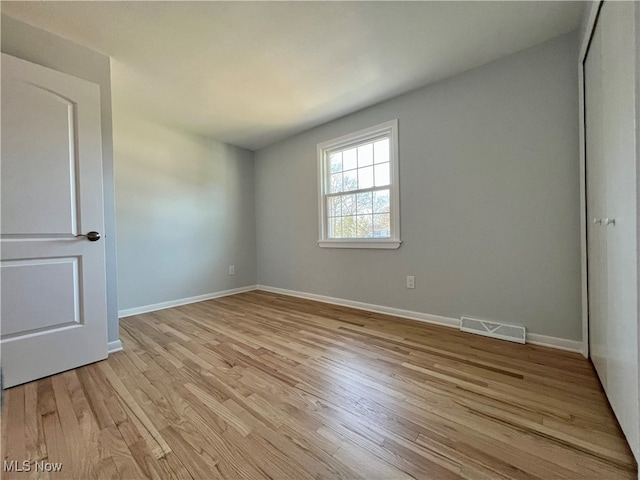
[586, 33]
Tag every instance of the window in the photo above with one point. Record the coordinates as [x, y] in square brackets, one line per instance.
[358, 176]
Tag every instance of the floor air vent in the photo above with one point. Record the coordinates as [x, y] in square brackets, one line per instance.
[513, 333]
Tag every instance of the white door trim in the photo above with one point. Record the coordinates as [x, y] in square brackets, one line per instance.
[584, 46]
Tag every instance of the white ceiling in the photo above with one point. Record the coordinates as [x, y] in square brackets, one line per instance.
[252, 73]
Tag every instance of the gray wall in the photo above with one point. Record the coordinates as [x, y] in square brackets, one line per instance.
[489, 170]
[185, 213]
[37, 46]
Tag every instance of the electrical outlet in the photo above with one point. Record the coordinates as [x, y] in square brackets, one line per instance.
[411, 281]
[232, 270]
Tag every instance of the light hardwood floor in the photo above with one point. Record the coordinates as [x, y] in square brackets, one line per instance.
[259, 385]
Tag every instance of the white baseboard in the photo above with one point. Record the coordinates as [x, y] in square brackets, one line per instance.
[182, 301]
[533, 338]
[558, 343]
[396, 312]
[113, 347]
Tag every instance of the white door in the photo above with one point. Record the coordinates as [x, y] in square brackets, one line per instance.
[611, 196]
[596, 208]
[53, 301]
[618, 80]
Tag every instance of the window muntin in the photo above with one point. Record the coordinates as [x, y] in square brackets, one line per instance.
[359, 191]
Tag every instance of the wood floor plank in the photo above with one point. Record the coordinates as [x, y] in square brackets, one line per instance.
[158, 446]
[79, 460]
[260, 385]
[34, 437]
[120, 454]
[57, 444]
[14, 437]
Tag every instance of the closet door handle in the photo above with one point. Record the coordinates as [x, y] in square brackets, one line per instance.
[610, 221]
[597, 221]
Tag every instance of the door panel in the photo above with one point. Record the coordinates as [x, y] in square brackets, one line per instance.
[40, 140]
[53, 282]
[596, 208]
[618, 66]
[611, 194]
[24, 280]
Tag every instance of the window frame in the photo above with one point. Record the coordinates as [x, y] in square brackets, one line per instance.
[387, 129]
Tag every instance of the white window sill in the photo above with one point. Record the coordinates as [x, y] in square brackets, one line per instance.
[389, 244]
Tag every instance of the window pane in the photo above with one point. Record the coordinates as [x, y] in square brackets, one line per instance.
[334, 206]
[335, 183]
[365, 155]
[349, 204]
[381, 225]
[365, 177]
[350, 159]
[359, 179]
[382, 176]
[365, 201]
[381, 201]
[335, 227]
[350, 180]
[335, 162]
[349, 227]
[381, 151]
[365, 226]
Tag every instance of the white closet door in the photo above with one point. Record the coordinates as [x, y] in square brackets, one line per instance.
[611, 198]
[596, 208]
[618, 70]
